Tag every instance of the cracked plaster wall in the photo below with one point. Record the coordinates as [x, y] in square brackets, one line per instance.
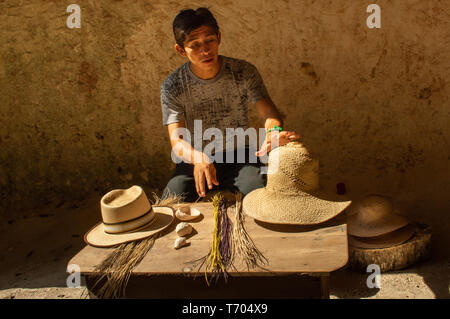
[80, 111]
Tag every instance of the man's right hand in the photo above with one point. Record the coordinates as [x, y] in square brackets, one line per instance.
[202, 171]
[203, 166]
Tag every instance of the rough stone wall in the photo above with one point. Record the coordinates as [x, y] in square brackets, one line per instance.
[80, 110]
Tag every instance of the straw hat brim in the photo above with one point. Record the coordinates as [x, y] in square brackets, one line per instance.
[391, 239]
[386, 224]
[97, 237]
[298, 209]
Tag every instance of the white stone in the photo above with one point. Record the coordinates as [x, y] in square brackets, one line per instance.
[183, 229]
[179, 242]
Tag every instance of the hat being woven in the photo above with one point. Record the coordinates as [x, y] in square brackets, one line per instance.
[292, 194]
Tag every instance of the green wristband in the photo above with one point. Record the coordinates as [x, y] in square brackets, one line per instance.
[275, 128]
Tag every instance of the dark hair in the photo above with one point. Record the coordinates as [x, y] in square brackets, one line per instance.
[188, 20]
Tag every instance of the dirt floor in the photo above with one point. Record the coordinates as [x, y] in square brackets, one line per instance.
[38, 244]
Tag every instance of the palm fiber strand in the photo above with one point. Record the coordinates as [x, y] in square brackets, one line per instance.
[242, 243]
[214, 260]
[226, 244]
[220, 255]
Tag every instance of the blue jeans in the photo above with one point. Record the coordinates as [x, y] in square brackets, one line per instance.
[243, 177]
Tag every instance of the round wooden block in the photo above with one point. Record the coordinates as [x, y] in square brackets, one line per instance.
[416, 249]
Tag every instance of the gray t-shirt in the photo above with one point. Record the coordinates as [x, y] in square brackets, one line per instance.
[220, 102]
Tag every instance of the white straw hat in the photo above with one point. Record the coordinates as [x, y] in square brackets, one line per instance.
[292, 194]
[373, 216]
[127, 216]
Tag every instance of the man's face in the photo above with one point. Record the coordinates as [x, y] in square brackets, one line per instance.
[202, 48]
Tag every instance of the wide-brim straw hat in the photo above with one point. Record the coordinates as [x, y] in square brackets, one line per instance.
[127, 216]
[373, 216]
[394, 238]
[292, 194]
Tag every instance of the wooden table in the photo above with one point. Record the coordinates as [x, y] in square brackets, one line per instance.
[292, 252]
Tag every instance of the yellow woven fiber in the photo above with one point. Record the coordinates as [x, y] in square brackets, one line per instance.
[214, 261]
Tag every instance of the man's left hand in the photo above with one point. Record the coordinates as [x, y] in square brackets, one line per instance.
[274, 139]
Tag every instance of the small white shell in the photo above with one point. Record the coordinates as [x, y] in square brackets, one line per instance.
[187, 213]
[179, 242]
[183, 229]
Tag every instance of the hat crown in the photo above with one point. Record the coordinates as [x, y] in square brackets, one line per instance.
[372, 216]
[123, 205]
[292, 169]
[373, 208]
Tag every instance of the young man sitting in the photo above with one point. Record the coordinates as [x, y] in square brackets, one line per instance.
[215, 90]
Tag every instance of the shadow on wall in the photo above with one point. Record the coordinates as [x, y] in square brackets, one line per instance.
[72, 124]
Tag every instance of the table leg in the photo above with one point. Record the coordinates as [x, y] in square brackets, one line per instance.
[325, 285]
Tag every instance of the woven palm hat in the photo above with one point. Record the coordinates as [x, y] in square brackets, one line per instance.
[292, 194]
[127, 216]
[391, 239]
[373, 216]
